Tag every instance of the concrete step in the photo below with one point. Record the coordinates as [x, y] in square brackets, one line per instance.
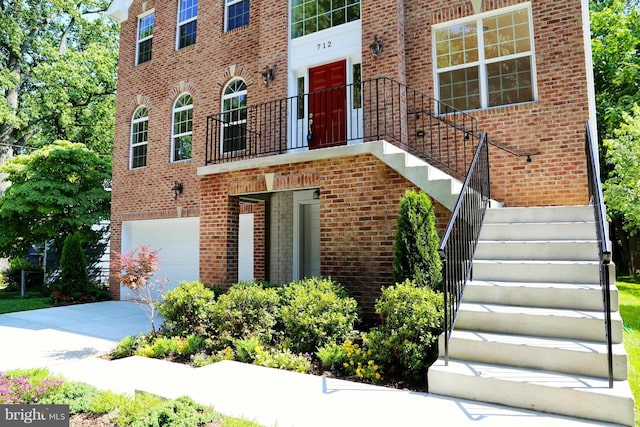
[534, 321]
[579, 296]
[532, 231]
[566, 394]
[559, 250]
[555, 354]
[543, 214]
[537, 271]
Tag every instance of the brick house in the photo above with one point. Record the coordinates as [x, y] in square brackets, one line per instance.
[220, 163]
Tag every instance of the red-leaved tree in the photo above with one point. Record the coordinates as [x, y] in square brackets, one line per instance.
[135, 270]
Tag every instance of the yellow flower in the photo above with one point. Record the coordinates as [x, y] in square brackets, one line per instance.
[377, 376]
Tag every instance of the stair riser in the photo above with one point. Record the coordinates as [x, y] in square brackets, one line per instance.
[581, 328]
[536, 272]
[571, 402]
[534, 231]
[578, 299]
[549, 250]
[540, 214]
[545, 358]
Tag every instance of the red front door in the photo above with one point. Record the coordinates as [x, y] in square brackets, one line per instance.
[327, 103]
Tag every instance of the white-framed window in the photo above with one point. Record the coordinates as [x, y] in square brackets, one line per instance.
[486, 60]
[182, 128]
[310, 16]
[236, 14]
[234, 113]
[145, 37]
[187, 23]
[139, 138]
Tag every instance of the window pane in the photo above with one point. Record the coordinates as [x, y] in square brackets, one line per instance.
[187, 34]
[457, 45]
[506, 34]
[144, 51]
[310, 16]
[234, 107]
[238, 15]
[300, 97]
[139, 156]
[510, 82]
[188, 10]
[461, 88]
[182, 148]
[357, 86]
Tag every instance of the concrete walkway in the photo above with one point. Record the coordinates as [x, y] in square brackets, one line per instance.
[68, 341]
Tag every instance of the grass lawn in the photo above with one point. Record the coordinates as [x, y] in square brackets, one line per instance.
[630, 310]
[11, 301]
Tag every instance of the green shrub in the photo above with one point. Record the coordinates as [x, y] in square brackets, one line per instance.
[106, 402]
[411, 322]
[246, 310]
[180, 412]
[190, 345]
[187, 309]
[73, 266]
[164, 347]
[415, 248]
[12, 276]
[134, 409]
[125, 348]
[27, 386]
[77, 395]
[282, 359]
[316, 312]
[203, 359]
[331, 357]
[246, 349]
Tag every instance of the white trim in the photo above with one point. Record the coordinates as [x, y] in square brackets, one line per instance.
[482, 62]
[180, 24]
[175, 110]
[302, 197]
[140, 40]
[135, 121]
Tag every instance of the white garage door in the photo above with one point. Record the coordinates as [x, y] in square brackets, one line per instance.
[178, 244]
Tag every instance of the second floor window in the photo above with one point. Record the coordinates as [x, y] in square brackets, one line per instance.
[145, 38]
[234, 116]
[182, 128]
[486, 61]
[139, 138]
[310, 16]
[236, 14]
[187, 22]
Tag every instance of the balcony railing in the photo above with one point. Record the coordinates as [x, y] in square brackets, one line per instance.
[361, 112]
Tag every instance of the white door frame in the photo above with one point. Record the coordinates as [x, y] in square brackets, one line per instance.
[304, 197]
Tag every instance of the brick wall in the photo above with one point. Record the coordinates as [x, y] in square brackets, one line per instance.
[552, 125]
[358, 209]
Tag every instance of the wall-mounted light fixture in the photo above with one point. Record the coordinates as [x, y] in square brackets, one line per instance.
[177, 189]
[376, 47]
[316, 194]
[268, 75]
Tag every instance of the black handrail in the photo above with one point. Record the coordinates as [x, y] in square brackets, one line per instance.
[604, 245]
[365, 111]
[460, 238]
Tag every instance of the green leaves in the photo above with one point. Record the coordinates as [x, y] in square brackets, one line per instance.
[54, 191]
[622, 189]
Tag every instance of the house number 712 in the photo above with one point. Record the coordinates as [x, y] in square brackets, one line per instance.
[324, 45]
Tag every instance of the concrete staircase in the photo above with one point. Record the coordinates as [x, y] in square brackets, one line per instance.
[530, 330]
[437, 184]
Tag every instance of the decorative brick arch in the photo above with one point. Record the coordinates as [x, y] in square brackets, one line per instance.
[139, 101]
[183, 87]
[235, 71]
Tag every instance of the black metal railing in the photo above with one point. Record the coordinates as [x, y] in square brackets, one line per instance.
[361, 112]
[460, 238]
[602, 230]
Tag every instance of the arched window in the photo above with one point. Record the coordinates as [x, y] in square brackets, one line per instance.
[182, 128]
[139, 138]
[234, 116]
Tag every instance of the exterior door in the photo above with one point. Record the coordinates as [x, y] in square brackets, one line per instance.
[327, 104]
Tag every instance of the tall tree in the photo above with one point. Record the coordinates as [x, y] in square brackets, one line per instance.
[55, 191]
[615, 33]
[57, 73]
